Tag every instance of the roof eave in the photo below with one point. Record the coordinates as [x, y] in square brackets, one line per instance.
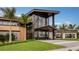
[40, 10]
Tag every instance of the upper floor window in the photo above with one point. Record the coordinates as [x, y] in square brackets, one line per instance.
[41, 21]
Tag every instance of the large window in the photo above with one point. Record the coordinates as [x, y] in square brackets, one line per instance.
[8, 23]
[69, 35]
[41, 21]
[41, 34]
[58, 35]
[16, 34]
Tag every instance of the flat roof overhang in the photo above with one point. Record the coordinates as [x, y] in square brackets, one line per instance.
[42, 13]
[6, 19]
[8, 30]
[12, 20]
[45, 29]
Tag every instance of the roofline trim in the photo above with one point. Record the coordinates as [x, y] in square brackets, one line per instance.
[42, 10]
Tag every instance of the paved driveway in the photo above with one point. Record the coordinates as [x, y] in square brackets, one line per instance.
[74, 45]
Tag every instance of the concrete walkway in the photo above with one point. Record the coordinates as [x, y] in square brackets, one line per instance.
[70, 45]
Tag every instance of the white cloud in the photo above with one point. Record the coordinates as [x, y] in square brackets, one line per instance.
[58, 23]
[66, 22]
[18, 15]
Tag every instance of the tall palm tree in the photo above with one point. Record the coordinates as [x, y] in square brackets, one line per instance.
[9, 13]
[24, 18]
[71, 26]
[62, 28]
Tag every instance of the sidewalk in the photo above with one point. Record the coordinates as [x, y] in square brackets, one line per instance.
[67, 49]
[70, 45]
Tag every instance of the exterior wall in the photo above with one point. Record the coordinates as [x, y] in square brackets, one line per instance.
[15, 28]
[21, 31]
[69, 33]
[64, 34]
[50, 35]
[37, 23]
[22, 34]
[58, 35]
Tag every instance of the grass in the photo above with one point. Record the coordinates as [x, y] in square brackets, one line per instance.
[30, 46]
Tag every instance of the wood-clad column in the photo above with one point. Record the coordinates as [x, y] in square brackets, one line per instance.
[33, 24]
[53, 25]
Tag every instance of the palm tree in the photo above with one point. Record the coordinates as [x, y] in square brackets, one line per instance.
[9, 13]
[71, 26]
[56, 26]
[24, 18]
[77, 27]
[62, 28]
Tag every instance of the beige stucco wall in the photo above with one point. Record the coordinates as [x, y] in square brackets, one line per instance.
[69, 33]
[9, 27]
[50, 35]
[21, 31]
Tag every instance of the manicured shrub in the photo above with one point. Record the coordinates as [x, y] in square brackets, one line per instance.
[5, 38]
[13, 37]
[2, 38]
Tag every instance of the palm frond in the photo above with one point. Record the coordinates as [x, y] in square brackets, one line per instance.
[8, 12]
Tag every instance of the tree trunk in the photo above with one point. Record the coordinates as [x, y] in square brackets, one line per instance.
[10, 32]
[25, 28]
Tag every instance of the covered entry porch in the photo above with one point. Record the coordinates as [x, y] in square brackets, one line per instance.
[44, 32]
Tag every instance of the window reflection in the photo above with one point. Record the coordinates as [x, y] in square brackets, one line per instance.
[8, 23]
[70, 35]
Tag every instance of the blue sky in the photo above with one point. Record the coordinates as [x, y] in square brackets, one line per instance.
[67, 14]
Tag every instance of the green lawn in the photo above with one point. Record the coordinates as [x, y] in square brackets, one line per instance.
[30, 46]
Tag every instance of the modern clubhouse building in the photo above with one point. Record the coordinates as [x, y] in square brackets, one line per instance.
[38, 27]
[40, 23]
